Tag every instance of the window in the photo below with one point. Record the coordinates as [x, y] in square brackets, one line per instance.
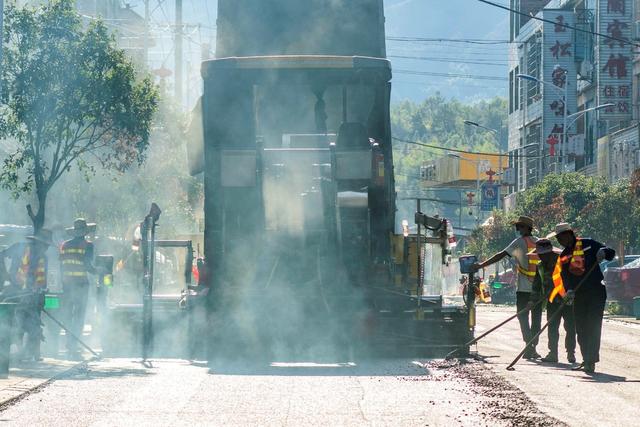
[516, 89]
[511, 92]
[534, 60]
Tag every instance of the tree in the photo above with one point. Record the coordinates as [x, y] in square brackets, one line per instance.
[494, 236]
[118, 200]
[70, 98]
[615, 216]
[559, 198]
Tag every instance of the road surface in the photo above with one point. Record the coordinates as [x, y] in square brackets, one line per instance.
[375, 392]
[611, 397]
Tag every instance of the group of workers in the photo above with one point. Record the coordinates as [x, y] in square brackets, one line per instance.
[26, 284]
[567, 283]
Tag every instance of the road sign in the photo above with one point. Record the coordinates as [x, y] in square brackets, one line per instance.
[490, 196]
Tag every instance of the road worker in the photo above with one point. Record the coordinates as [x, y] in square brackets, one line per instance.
[28, 270]
[530, 320]
[76, 258]
[548, 291]
[582, 279]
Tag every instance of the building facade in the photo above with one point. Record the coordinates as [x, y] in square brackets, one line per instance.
[574, 65]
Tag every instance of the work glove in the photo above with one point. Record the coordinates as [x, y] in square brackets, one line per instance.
[600, 255]
[569, 297]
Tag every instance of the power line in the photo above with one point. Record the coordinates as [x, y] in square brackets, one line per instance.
[447, 60]
[439, 40]
[451, 75]
[571, 27]
[455, 150]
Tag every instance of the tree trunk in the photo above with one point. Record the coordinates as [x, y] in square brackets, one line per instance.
[38, 218]
[621, 253]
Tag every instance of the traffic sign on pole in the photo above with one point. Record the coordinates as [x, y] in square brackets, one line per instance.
[490, 196]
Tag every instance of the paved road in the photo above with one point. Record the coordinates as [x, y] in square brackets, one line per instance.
[382, 392]
[611, 397]
[392, 392]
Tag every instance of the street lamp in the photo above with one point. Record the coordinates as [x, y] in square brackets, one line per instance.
[564, 93]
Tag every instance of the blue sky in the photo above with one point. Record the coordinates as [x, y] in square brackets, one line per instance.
[449, 19]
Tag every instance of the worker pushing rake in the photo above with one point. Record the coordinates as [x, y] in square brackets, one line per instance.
[569, 284]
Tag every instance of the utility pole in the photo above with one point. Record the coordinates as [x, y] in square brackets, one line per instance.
[178, 52]
[145, 42]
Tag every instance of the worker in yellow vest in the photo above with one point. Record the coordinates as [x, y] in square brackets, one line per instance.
[548, 290]
[76, 257]
[525, 265]
[28, 276]
[582, 279]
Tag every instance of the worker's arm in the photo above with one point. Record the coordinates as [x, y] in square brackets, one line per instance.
[497, 257]
[88, 259]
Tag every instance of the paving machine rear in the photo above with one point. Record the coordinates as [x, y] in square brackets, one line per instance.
[300, 224]
[304, 253]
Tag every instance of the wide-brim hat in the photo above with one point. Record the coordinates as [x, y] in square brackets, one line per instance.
[523, 220]
[544, 246]
[81, 228]
[560, 228]
[43, 236]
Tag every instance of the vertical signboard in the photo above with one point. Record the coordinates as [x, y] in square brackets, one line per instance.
[615, 59]
[559, 71]
[490, 196]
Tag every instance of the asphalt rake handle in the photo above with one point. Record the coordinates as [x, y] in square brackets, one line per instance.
[511, 367]
[498, 326]
[71, 334]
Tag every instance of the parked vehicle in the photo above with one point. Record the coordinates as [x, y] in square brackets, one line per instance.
[623, 283]
[503, 288]
[604, 265]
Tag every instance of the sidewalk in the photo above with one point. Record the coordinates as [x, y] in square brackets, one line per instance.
[25, 377]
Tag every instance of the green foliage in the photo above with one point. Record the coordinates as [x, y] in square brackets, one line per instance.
[439, 121]
[614, 216]
[70, 98]
[117, 201]
[494, 237]
[559, 198]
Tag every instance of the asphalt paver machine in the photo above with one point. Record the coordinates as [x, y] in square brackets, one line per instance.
[300, 206]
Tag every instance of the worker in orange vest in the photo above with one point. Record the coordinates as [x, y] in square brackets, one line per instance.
[28, 275]
[530, 320]
[76, 258]
[583, 256]
[548, 290]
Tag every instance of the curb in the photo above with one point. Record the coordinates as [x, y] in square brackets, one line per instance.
[4, 405]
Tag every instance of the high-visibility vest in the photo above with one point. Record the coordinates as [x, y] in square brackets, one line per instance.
[534, 260]
[576, 264]
[40, 274]
[72, 257]
[558, 284]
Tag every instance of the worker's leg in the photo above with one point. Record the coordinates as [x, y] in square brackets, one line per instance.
[526, 320]
[596, 312]
[71, 304]
[522, 299]
[536, 322]
[570, 330]
[81, 308]
[554, 327]
[581, 317]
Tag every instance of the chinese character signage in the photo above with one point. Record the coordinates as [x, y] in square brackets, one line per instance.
[559, 71]
[615, 61]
